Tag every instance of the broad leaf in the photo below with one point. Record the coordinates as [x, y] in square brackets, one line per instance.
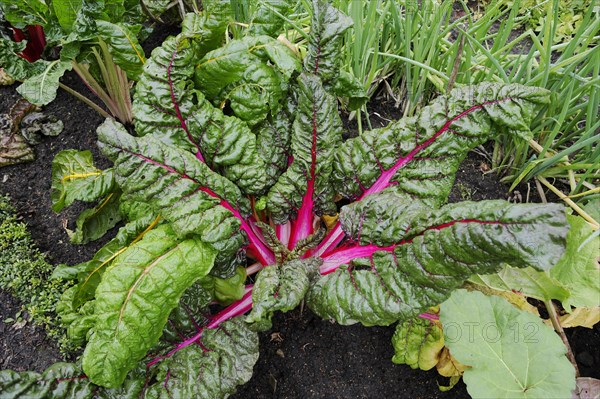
[305, 187]
[59, 381]
[167, 106]
[418, 343]
[123, 46]
[408, 258]
[250, 75]
[74, 177]
[95, 222]
[65, 381]
[184, 191]
[579, 268]
[515, 298]
[135, 297]
[268, 17]
[41, 88]
[512, 354]
[89, 273]
[273, 143]
[21, 13]
[328, 25]
[66, 12]
[420, 155]
[16, 66]
[280, 288]
[213, 370]
[78, 321]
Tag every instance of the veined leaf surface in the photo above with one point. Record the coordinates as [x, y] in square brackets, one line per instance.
[512, 354]
[225, 360]
[135, 297]
[412, 260]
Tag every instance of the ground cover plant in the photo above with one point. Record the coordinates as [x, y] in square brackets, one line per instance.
[240, 173]
[24, 271]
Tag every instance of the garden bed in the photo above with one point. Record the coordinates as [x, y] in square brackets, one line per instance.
[302, 356]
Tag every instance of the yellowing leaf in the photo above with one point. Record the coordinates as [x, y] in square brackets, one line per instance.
[448, 366]
[580, 317]
[330, 221]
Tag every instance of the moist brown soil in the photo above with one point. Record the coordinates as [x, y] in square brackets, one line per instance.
[302, 356]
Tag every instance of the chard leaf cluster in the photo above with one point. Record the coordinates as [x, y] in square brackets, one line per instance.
[238, 161]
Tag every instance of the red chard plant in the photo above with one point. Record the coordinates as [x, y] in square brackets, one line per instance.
[230, 192]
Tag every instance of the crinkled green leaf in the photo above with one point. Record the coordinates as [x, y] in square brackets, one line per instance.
[250, 75]
[74, 177]
[21, 13]
[418, 343]
[273, 143]
[512, 354]
[267, 17]
[188, 317]
[79, 320]
[179, 187]
[167, 106]
[226, 290]
[134, 210]
[210, 25]
[123, 46]
[317, 131]
[136, 296]
[528, 281]
[59, 381]
[41, 88]
[579, 268]
[409, 261]
[66, 12]
[231, 351]
[16, 66]
[280, 288]
[65, 381]
[328, 25]
[420, 155]
[95, 222]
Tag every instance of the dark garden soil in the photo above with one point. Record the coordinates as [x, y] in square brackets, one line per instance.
[302, 356]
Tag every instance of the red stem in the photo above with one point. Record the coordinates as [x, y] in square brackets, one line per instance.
[235, 309]
[429, 316]
[383, 181]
